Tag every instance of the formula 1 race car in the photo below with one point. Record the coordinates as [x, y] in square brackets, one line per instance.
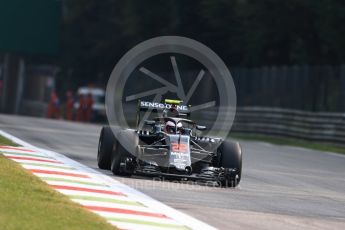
[169, 146]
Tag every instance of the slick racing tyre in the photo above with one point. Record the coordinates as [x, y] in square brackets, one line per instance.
[122, 161]
[230, 157]
[105, 148]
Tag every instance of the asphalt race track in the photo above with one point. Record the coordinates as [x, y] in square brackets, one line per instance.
[282, 187]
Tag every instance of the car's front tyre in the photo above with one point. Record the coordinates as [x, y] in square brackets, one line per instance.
[121, 159]
[230, 158]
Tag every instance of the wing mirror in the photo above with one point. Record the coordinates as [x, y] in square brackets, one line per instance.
[200, 127]
[150, 122]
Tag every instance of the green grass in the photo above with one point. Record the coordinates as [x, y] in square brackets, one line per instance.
[26, 202]
[291, 142]
[5, 141]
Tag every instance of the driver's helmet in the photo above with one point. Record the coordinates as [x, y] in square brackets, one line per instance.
[170, 126]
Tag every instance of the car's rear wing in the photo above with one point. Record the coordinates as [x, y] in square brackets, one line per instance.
[159, 107]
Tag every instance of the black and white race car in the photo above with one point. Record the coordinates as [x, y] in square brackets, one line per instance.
[169, 146]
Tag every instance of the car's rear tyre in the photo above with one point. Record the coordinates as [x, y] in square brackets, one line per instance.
[230, 157]
[105, 148]
[122, 159]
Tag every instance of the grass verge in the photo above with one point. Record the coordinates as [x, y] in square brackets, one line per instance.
[5, 141]
[26, 202]
[291, 142]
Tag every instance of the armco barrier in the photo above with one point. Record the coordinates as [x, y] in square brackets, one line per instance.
[315, 126]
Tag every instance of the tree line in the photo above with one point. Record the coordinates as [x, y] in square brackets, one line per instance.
[95, 34]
